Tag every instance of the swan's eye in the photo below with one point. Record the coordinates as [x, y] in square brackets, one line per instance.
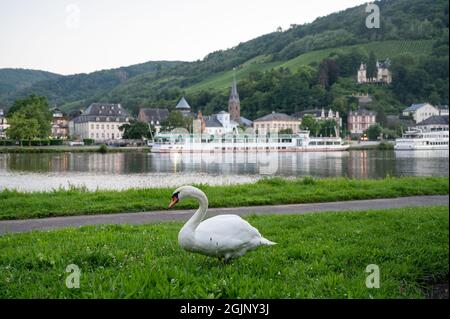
[175, 196]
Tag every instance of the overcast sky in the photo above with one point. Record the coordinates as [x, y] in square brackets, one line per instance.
[67, 37]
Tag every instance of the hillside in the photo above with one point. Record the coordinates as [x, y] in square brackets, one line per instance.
[382, 49]
[81, 89]
[15, 80]
[407, 26]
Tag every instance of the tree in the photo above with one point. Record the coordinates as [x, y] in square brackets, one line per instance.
[328, 127]
[372, 66]
[381, 117]
[287, 131]
[374, 131]
[22, 128]
[136, 130]
[175, 120]
[309, 123]
[328, 73]
[35, 107]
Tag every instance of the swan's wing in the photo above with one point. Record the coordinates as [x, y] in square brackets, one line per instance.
[226, 233]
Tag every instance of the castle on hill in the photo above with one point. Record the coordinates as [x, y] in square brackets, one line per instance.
[383, 73]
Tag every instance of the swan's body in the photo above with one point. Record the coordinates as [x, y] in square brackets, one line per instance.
[223, 236]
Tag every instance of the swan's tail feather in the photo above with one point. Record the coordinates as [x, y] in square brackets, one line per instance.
[266, 242]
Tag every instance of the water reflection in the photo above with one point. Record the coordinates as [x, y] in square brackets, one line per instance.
[124, 170]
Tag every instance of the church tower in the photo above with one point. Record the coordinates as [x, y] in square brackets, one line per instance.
[234, 104]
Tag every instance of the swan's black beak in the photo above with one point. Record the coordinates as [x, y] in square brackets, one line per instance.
[174, 201]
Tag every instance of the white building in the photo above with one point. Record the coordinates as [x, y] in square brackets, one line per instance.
[321, 114]
[276, 122]
[434, 123]
[100, 122]
[217, 124]
[3, 124]
[420, 112]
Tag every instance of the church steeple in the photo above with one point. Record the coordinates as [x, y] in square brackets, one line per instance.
[234, 104]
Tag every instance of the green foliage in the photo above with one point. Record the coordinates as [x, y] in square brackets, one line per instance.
[176, 120]
[22, 128]
[317, 256]
[14, 80]
[33, 108]
[103, 149]
[385, 146]
[374, 132]
[286, 131]
[136, 130]
[311, 124]
[88, 141]
[372, 66]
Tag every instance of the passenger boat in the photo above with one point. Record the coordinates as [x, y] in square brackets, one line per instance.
[301, 142]
[416, 139]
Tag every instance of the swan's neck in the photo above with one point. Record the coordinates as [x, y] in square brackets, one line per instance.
[197, 218]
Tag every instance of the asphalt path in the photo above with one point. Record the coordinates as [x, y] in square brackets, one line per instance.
[17, 226]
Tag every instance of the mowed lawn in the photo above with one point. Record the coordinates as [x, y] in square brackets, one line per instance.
[270, 191]
[318, 256]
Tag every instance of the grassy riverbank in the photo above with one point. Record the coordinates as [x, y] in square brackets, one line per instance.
[317, 256]
[68, 149]
[18, 205]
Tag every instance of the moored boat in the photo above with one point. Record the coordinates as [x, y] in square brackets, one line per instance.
[301, 142]
[416, 139]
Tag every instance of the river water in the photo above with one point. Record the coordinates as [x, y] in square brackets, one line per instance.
[44, 172]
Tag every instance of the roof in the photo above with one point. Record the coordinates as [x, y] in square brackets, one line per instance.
[415, 107]
[434, 120]
[362, 112]
[212, 121]
[276, 117]
[153, 115]
[246, 121]
[384, 64]
[183, 104]
[234, 96]
[103, 112]
[365, 99]
[315, 112]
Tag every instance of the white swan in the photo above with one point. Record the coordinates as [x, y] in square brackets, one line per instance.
[223, 236]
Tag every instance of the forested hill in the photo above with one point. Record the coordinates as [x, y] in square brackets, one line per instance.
[418, 27]
[79, 88]
[14, 80]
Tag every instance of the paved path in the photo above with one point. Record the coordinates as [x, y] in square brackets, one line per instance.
[15, 226]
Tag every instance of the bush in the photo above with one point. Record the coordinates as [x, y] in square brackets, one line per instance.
[385, 146]
[103, 149]
[88, 141]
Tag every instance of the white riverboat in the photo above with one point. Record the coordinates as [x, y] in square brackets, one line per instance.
[191, 143]
[416, 139]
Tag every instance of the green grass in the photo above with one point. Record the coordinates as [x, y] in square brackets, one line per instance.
[317, 256]
[382, 49]
[19, 205]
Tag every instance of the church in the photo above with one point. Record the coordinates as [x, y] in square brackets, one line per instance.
[224, 122]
